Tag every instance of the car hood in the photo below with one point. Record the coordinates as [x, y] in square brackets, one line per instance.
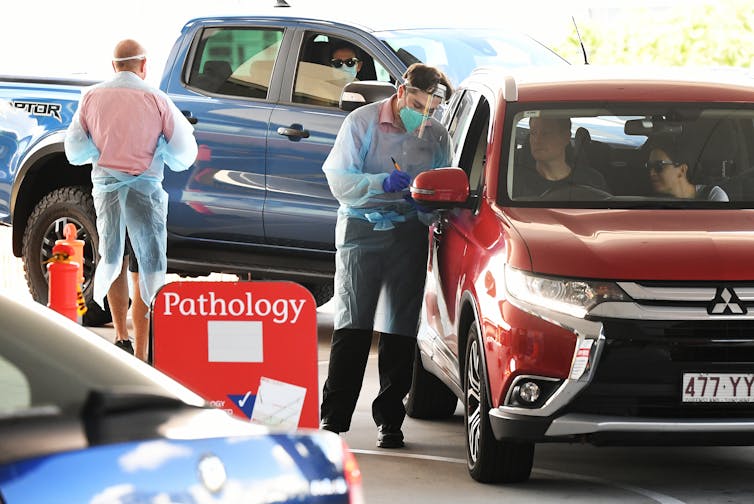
[636, 244]
[286, 468]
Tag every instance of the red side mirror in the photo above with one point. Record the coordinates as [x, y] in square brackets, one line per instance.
[441, 186]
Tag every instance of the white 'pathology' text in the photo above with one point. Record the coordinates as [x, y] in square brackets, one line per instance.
[281, 311]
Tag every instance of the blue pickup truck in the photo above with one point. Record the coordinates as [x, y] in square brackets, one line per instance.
[265, 104]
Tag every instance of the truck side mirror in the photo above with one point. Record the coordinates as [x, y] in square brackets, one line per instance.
[358, 93]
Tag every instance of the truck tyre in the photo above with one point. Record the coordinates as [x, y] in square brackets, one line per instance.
[429, 398]
[488, 460]
[45, 226]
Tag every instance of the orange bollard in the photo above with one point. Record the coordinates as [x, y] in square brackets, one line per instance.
[70, 232]
[62, 279]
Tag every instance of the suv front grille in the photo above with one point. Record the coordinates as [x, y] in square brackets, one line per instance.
[640, 371]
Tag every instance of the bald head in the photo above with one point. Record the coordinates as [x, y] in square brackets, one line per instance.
[126, 56]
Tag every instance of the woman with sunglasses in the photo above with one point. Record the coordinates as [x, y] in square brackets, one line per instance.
[345, 58]
[668, 174]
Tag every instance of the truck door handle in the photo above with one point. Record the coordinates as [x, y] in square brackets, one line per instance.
[190, 116]
[294, 132]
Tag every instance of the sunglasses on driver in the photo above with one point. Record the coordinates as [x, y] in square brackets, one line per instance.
[337, 63]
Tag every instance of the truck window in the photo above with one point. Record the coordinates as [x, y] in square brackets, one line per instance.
[318, 82]
[235, 61]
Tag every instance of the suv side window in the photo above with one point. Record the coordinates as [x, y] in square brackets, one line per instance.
[235, 61]
[318, 82]
[468, 129]
[462, 109]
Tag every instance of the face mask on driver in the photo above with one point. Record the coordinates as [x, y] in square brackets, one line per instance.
[352, 71]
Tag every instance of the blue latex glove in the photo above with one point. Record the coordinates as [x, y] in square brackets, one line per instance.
[416, 205]
[396, 181]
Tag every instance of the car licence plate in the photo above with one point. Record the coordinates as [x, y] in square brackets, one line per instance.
[718, 387]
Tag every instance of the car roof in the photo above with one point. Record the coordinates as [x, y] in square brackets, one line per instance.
[372, 23]
[616, 83]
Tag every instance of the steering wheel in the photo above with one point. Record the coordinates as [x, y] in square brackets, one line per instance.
[574, 192]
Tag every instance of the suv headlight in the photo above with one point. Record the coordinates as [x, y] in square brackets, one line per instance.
[571, 296]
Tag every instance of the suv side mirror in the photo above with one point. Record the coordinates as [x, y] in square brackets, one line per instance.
[358, 93]
[441, 188]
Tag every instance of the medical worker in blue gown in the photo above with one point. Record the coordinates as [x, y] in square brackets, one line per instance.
[129, 130]
[381, 241]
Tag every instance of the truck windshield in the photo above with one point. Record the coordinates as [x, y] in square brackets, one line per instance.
[458, 51]
[640, 155]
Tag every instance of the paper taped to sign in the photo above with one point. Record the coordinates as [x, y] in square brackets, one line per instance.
[278, 404]
[234, 341]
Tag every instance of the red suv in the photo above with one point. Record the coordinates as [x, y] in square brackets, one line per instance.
[591, 272]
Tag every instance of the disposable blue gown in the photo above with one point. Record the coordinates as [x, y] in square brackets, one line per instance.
[138, 202]
[381, 242]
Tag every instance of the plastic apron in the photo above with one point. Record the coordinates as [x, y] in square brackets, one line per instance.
[134, 202]
[381, 243]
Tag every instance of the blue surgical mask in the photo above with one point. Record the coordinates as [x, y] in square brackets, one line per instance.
[349, 70]
[411, 118]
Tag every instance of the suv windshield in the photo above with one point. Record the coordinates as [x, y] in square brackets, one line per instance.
[458, 51]
[671, 155]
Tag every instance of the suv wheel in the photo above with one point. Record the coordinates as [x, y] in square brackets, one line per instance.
[488, 460]
[45, 226]
[428, 398]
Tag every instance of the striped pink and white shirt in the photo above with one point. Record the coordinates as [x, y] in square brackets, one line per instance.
[125, 124]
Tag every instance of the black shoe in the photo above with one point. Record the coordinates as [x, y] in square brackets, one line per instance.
[125, 345]
[389, 437]
[331, 427]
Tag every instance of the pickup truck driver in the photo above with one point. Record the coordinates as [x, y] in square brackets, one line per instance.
[344, 57]
[381, 242]
[128, 130]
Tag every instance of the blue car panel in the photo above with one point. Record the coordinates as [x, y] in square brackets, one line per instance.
[270, 468]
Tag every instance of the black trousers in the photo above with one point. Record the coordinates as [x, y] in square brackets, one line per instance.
[348, 359]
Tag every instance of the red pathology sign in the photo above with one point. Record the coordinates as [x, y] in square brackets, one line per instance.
[249, 348]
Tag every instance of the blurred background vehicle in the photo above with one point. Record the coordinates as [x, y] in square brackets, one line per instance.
[83, 421]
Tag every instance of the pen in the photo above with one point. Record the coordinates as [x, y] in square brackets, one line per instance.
[395, 163]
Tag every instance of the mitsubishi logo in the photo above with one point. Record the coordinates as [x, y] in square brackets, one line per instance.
[726, 302]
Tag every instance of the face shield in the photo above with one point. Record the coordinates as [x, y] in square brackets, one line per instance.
[420, 106]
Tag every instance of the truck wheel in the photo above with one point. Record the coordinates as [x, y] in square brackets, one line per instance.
[429, 398]
[322, 292]
[45, 226]
[488, 460]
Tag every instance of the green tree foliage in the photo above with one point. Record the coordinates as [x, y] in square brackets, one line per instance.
[719, 34]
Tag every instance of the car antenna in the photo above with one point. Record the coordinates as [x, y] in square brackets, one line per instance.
[581, 41]
[281, 3]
